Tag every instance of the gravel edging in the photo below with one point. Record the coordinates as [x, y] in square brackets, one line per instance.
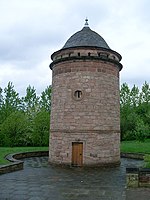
[16, 164]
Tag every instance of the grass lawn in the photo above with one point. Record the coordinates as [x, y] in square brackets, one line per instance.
[8, 150]
[126, 146]
[136, 147]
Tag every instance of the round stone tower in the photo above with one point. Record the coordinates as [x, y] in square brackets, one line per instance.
[85, 108]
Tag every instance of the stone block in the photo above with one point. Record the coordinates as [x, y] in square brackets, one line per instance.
[144, 177]
[132, 177]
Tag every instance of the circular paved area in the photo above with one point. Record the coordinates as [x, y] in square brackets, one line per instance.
[41, 181]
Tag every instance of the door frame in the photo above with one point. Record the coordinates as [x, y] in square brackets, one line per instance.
[77, 154]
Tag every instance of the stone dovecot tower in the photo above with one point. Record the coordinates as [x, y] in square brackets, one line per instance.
[85, 109]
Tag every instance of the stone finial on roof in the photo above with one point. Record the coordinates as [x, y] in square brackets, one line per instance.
[86, 23]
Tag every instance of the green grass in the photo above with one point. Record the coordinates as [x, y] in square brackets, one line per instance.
[147, 161]
[126, 146]
[8, 150]
[136, 147]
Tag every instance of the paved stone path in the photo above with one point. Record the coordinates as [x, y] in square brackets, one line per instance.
[40, 181]
[138, 194]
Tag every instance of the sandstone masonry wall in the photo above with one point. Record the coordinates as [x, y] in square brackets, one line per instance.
[93, 119]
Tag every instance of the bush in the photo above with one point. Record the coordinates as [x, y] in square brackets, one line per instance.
[141, 130]
[128, 126]
[41, 126]
[15, 128]
[147, 161]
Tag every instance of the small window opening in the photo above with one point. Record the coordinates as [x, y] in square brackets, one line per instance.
[78, 54]
[78, 94]
[99, 54]
[89, 54]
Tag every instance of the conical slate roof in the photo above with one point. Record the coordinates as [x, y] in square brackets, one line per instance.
[86, 37]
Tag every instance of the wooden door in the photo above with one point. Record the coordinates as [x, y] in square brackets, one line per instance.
[77, 154]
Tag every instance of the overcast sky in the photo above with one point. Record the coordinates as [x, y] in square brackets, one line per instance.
[31, 30]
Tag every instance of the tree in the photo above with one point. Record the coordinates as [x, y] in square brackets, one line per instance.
[30, 101]
[125, 98]
[11, 101]
[134, 96]
[1, 105]
[1, 98]
[14, 129]
[45, 101]
[125, 109]
[145, 94]
[141, 130]
[40, 135]
[144, 105]
[135, 112]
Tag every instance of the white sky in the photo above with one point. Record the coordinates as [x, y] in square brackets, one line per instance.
[31, 30]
